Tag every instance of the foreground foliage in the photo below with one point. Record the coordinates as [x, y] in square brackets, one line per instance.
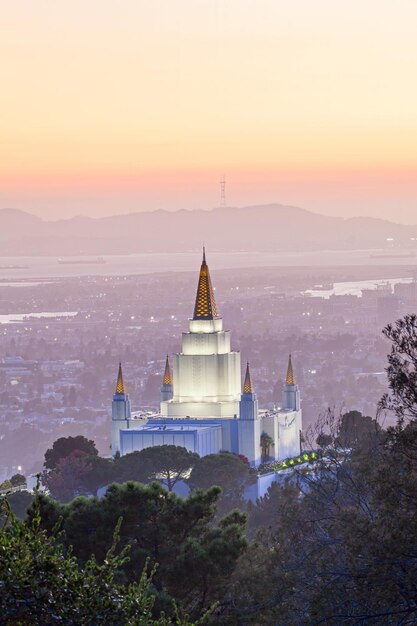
[195, 556]
[339, 547]
[42, 584]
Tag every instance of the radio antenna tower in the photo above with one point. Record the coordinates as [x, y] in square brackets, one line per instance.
[223, 191]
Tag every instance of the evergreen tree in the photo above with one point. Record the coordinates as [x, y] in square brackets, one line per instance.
[229, 472]
[18, 480]
[167, 464]
[41, 583]
[195, 557]
[65, 446]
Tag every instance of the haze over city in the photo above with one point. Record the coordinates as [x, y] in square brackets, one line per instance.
[111, 109]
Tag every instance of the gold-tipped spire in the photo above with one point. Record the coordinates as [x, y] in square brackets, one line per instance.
[120, 386]
[290, 380]
[205, 305]
[167, 374]
[247, 385]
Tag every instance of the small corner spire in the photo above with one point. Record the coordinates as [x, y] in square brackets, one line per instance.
[205, 304]
[167, 380]
[247, 385]
[120, 386]
[290, 379]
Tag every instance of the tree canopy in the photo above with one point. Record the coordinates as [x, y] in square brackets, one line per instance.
[226, 470]
[20, 502]
[166, 463]
[18, 480]
[356, 429]
[195, 556]
[65, 446]
[41, 582]
[402, 369]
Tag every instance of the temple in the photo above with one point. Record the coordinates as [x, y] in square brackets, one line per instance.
[203, 404]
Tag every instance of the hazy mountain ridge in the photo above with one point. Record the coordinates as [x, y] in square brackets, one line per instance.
[252, 228]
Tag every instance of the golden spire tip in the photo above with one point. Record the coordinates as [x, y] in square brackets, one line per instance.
[120, 386]
[247, 385]
[290, 379]
[167, 380]
[205, 305]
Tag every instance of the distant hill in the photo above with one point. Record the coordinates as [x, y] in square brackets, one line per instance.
[253, 228]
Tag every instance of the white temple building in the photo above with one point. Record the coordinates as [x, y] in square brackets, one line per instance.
[203, 404]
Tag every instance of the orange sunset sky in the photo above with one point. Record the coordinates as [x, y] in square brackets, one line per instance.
[116, 106]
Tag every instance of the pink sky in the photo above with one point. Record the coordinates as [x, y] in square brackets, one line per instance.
[117, 107]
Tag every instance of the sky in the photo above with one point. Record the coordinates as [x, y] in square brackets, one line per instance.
[117, 106]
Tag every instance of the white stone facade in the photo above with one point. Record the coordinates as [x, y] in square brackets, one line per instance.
[206, 374]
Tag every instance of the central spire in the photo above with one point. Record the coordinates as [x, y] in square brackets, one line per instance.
[205, 305]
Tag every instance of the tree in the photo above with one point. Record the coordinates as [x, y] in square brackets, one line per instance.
[18, 480]
[20, 502]
[229, 472]
[195, 556]
[130, 467]
[67, 479]
[266, 512]
[100, 474]
[323, 440]
[402, 369]
[41, 582]
[6, 485]
[266, 443]
[355, 429]
[78, 474]
[65, 446]
[167, 464]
